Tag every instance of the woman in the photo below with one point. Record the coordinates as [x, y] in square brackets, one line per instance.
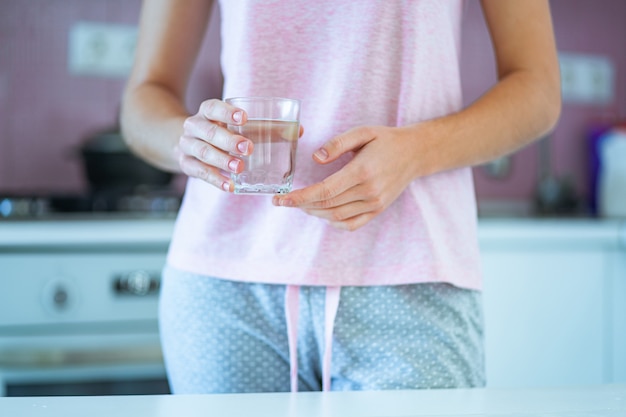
[367, 275]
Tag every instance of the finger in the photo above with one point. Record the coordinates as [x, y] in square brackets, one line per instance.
[353, 223]
[346, 142]
[217, 136]
[324, 191]
[207, 153]
[350, 195]
[197, 169]
[338, 220]
[341, 213]
[220, 111]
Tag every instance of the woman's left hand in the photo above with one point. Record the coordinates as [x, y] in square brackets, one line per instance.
[384, 164]
[522, 106]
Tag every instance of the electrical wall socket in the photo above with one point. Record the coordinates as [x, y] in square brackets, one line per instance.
[587, 79]
[101, 49]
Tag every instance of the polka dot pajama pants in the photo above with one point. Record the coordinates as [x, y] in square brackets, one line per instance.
[221, 336]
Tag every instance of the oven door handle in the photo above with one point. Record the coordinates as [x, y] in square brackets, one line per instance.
[13, 358]
[139, 283]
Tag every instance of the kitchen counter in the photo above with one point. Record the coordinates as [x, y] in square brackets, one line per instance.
[119, 230]
[596, 401]
[573, 270]
[82, 231]
[541, 232]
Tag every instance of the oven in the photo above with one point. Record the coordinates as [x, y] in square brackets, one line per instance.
[79, 302]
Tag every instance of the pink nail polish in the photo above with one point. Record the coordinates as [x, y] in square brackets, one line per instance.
[233, 164]
[242, 147]
[226, 186]
[237, 116]
[321, 154]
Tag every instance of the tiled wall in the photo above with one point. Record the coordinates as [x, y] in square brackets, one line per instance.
[595, 27]
[46, 112]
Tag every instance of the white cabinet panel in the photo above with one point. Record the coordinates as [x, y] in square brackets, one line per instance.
[617, 289]
[46, 288]
[545, 316]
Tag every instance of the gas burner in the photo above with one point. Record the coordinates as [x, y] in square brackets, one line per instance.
[23, 207]
[120, 201]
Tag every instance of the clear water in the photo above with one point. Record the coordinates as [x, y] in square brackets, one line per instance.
[270, 167]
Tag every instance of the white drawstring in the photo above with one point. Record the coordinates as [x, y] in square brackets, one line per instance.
[292, 304]
[332, 304]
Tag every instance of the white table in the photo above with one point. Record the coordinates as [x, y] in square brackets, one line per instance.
[595, 401]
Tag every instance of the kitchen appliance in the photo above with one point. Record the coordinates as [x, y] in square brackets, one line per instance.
[597, 135]
[139, 201]
[611, 180]
[109, 164]
[80, 276]
[554, 195]
[78, 305]
[79, 279]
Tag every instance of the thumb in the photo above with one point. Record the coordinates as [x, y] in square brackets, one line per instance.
[346, 142]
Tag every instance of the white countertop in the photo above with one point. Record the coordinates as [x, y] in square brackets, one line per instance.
[86, 231]
[547, 231]
[596, 401]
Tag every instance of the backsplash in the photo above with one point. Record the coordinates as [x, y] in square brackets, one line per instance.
[45, 112]
[581, 26]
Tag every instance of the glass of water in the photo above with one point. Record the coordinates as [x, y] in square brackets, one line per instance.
[273, 126]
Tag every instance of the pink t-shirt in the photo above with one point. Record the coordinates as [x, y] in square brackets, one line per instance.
[351, 63]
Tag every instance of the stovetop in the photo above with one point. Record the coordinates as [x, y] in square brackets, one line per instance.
[94, 203]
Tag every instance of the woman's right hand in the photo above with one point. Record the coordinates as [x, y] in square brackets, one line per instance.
[207, 148]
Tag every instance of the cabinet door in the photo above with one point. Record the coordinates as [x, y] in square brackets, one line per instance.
[545, 317]
[617, 289]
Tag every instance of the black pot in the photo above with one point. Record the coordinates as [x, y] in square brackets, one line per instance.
[109, 164]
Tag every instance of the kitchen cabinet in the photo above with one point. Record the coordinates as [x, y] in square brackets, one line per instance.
[554, 292]
[554, 297]
[617, 291]
[78, 306]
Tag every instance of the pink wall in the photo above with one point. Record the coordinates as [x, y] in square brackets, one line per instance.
[595, 27]
[45, 112]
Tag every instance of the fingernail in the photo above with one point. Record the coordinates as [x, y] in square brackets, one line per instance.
[226, 186]
[321, 154]
[285, 202]
[233, 165]
[237, 116]
[242, 146]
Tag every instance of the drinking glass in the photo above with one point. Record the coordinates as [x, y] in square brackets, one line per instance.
[273, 126]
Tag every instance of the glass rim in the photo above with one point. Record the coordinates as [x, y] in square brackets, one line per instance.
[260, 98]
